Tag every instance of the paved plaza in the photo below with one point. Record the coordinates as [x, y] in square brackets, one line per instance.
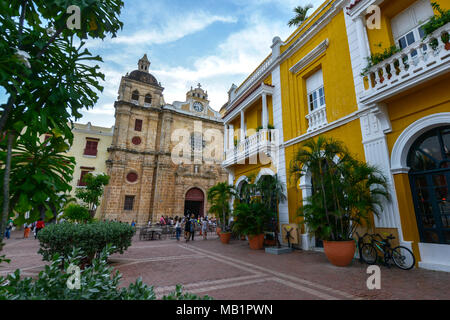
[234, 272]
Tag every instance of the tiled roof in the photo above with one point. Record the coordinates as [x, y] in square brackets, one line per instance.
[353, 4]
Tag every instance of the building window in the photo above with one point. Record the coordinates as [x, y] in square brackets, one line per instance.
[148, 99]
[84, 172]
[136, 141]
[135, 97]
[129, 203]
[407, 26]
[91, 148]
[138, 125]
[315, 91]
[197, 142]
[132, 177]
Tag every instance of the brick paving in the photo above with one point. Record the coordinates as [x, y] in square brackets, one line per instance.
[234, 272]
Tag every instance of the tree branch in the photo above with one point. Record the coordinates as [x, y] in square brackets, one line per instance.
[7, 110]
[22, 16]
[52, 39]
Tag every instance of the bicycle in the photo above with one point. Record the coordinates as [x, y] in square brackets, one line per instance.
[402, 257]
[360, 243]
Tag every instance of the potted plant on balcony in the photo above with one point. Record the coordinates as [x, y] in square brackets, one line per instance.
[219, 197]
[345, 193]
[436, 22]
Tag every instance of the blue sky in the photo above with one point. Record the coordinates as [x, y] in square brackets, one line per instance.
[214, 42]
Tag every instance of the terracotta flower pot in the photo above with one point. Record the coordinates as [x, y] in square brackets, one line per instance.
[270, 243]
[340, 253]
[225, 237]
[218, 230]
[447, 46]
[256, 242]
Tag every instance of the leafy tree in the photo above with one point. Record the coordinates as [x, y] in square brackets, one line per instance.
[301, 14]
[76, 213]
[46, 71]
[220, 196]
[345, 191]
[91, 194]
[40, 176]
[251, 218]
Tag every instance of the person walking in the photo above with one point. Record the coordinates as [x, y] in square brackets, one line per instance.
[9, 226]
[39, 226]
[178, 228]
[26, 231]
[133, 224]
[187, 229]
[193, 225]
[205, 228]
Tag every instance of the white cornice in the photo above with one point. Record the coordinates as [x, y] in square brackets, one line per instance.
[310, 57]
[249, 100]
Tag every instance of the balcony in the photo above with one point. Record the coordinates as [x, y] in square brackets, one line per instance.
[317, 119]
[263, 141]
[418, 63]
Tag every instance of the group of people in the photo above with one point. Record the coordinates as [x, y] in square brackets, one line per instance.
[189, 223]
[34, 227]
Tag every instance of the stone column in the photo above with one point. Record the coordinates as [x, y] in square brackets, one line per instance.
[231, 137]
[225, 136]
[243, 133]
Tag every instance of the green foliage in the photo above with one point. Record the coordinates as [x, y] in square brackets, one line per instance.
[97, 282]
[91, 238]
[93, 191]
[301, 14]
[437, 21]
[345, 191]
[219, 197]
[379, 57]
[76, 213]
[40, 173]
[251, 218]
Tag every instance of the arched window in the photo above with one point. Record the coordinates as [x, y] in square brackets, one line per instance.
[429, 160]
[148, 98]
[135, 96]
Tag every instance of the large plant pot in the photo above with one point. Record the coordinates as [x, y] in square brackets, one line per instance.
[447, 46]
[225, 237]
[340, 253]
[256, 242]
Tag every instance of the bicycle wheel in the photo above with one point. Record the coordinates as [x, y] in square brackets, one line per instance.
[369, 253]
[403, 258]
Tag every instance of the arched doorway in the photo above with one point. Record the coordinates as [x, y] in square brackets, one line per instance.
[194, 203]
[429, 160]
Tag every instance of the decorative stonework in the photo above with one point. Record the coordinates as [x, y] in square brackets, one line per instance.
[145, 170]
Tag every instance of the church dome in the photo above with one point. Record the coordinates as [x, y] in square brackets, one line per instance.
[144, 77]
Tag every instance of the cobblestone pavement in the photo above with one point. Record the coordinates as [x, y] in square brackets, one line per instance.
[234, 272]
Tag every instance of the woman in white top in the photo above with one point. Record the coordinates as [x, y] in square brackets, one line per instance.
[205, 228]
[178, 228]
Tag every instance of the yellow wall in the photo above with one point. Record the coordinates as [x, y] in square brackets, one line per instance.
[77, 151]
[337, 76]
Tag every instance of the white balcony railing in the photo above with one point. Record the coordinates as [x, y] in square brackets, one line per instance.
[419, 62]
[317, 119]
[263, 141]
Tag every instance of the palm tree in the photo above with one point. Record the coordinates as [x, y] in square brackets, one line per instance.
[272, 192]
[345, 190]
[301, 13]
[219, 196]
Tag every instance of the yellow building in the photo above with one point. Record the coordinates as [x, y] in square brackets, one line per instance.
[311, 85]
[90, 150]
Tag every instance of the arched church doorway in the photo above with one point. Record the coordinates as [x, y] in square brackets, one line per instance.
[429, 160]
[194, 203]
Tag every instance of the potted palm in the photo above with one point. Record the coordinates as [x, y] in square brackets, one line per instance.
[345, 193]
[219, 196]
[250, 220]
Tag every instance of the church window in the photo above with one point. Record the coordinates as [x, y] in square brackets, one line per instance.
[129, 203]
[148, 99]
[136, 141]
[138, 125]
[135, 96]
[132, 177]
[84, 172]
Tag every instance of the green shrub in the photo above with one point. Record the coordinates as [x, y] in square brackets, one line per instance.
[437, 21]
[76, 213]
[251, 218]
[97, 282]
[91, 238]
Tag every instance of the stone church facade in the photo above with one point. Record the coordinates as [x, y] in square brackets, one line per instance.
[150, 176]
